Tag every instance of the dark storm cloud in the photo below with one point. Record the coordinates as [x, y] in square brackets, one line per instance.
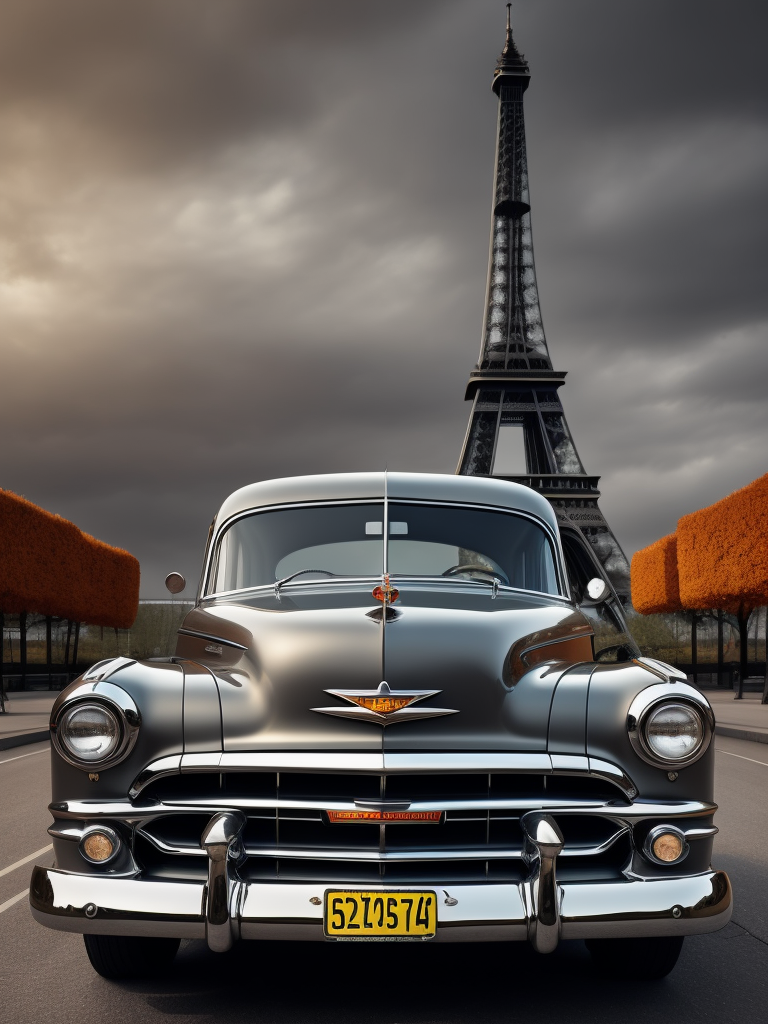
[244, 239]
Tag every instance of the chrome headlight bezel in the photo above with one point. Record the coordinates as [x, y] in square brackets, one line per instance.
[653, 699]
[115, 701]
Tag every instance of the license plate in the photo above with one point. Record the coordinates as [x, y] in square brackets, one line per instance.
[355, 914]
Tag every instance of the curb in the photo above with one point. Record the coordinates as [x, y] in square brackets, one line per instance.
[6, 742]
[741, 734]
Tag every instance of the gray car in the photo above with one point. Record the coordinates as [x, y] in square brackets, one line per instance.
[391, 716]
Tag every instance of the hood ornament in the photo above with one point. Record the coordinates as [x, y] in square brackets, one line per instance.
[385, 592]
[384, 705]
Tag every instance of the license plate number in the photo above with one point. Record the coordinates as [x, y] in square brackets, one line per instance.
[355, 914]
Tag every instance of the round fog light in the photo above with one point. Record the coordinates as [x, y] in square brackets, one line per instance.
[99, 845]
[666, 845]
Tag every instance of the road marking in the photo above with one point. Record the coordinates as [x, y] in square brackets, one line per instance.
[19, 756]
[14, 899]
[24, 860]
[763, 763]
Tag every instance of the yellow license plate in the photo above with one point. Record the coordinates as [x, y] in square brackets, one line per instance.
[355, 914]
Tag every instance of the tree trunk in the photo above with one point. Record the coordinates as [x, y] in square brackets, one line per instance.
[23, 647]
[695, 647]
[2, 659]
[66, 649]
[74, 647]
[719, 648]
[48, 652]
[743, 619]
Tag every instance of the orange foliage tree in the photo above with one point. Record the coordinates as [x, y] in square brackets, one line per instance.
[718, 559]
[49, 566]
[655, 584]
[722, 557]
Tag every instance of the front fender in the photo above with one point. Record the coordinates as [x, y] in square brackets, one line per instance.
[158, 691]
[612, 688]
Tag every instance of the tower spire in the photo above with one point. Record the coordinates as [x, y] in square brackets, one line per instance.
[517, 428]
[511, 61]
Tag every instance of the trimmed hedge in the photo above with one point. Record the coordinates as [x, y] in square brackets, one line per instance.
[655, 584]
[722, 552]
[49, 566]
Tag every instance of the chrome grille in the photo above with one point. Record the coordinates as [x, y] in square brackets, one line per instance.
[288, 837]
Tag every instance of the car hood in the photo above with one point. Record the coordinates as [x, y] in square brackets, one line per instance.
[276, 660]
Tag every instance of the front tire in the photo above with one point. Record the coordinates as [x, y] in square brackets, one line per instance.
[123, 957]
[636, 959]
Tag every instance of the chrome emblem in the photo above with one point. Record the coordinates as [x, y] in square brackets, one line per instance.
[384, 705]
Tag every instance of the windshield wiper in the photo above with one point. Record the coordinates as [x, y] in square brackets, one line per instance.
[495, 582]
[293, 575]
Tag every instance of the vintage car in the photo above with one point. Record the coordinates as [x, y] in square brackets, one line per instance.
[385, 721]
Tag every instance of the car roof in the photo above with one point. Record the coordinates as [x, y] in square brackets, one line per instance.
[362, 486]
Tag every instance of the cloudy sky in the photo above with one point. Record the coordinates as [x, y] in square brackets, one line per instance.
[249, 238]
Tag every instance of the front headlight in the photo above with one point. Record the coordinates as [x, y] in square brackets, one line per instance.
[95, 728]
[89, 732]
[674, 732]
[670, 729]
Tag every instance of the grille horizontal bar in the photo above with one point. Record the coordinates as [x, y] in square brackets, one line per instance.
[399, 856]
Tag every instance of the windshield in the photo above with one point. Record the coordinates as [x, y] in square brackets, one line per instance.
[348, 540]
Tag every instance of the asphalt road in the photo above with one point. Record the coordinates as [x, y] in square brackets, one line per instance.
[44, 975]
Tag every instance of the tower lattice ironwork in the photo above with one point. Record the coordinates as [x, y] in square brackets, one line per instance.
[517, 428]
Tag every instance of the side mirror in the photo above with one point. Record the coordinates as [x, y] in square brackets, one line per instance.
[597, 589]
[175, 582]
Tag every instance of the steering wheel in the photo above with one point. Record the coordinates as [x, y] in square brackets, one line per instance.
[486, 570]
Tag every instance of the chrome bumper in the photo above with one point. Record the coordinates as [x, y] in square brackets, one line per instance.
[466, 913]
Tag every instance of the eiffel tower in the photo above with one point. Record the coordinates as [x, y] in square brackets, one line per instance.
[517, 429]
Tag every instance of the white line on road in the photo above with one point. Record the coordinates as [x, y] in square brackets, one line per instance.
[19, 756]
[14, 899]
[24, 860]
[763, 763]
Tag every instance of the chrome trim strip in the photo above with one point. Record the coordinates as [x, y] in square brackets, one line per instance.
[610, 772]
[303, 762]
[104, 669]
[200, 762]
[156, 770]
[668, 673]
[366, 764]
[72, 834]
[700, 833]
[457, 763]
[375, 856]
[570, 763]
[639, 811]
[479, 913]
[210, 636]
